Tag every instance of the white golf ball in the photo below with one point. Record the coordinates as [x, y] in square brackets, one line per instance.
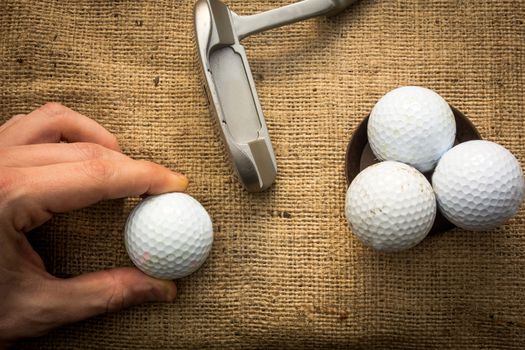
[413, 125]
[478, 185]
[390, 206]
[169, 236]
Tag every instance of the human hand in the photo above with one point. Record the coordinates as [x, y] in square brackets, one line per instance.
[41, 176]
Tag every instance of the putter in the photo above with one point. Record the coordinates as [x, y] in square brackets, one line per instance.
[229, 83]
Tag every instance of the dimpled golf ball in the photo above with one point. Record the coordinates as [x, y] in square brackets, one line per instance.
[169, 236]
[390, 206]
[413, 125]
[478, 185]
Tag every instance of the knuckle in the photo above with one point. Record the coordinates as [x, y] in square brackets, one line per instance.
[55, 114]
[88, 150]
[98, 169]
[152, 168]
[117, 299]
[146, 163]
[52, 109]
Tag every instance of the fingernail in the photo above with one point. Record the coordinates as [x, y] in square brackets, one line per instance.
[164, 291]
[172, 293]
[181, 179]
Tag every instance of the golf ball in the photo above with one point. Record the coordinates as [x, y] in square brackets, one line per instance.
[413, 125]
[478, 185]
[390, 206]
[169, 236]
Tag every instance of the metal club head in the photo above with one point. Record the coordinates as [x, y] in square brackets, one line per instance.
[229, 82]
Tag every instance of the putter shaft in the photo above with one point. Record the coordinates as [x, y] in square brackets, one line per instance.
[248, 25]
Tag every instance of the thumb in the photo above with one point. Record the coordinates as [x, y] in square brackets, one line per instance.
[106, 291]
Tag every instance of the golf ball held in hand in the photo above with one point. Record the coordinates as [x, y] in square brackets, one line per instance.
[169, 236]
[390, 206]
[412, 125]
[478, 185]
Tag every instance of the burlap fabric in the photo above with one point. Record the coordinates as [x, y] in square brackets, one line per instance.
[285, 271]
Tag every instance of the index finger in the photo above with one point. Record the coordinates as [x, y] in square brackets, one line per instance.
[64, 187]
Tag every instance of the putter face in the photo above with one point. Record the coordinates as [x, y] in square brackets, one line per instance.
[232, 96]
[229, 82]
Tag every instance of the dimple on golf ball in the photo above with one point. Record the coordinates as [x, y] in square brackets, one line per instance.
[478, 185]
[390, 206]
[413, 125]
[169, 236]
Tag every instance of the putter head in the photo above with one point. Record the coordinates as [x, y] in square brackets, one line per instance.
[232, 96]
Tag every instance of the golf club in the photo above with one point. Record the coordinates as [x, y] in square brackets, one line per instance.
[229, 83]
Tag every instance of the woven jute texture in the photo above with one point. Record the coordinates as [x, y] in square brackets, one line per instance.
[285, 270]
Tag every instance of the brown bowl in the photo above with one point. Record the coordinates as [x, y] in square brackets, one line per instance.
[359, 155]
